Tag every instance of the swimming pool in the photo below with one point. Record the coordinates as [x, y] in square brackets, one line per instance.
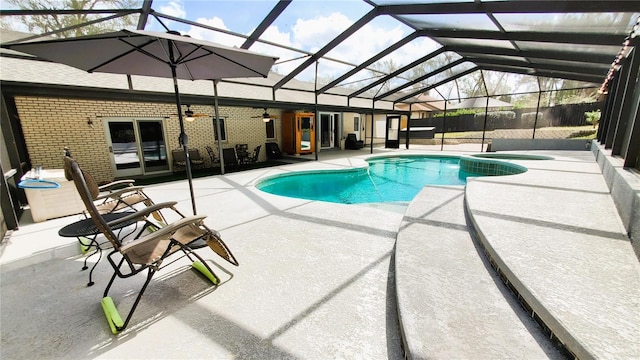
[386, 179]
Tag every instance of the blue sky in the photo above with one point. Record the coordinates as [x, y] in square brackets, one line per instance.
[304, 24]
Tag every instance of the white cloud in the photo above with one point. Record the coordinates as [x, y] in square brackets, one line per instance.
[214, 36]
[313, 34]
[174, 8]
[274, 35]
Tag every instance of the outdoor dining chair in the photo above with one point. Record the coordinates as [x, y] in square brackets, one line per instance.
[253, 158]
[242, 152]
[229, 156]
[180, 160]
[148, 250]
[212, 155]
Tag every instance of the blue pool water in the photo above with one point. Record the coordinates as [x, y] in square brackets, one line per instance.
[386, 180]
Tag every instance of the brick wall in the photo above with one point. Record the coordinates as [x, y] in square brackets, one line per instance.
[50, 124]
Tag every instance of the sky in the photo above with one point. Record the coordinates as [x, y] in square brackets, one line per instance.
[304, 24]
[307, 25]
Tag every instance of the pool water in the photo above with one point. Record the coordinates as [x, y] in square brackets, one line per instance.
[386, 180]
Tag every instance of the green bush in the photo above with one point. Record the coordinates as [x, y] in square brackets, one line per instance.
[497, 115]
[530, 117]
[592, 117]
[456, 112]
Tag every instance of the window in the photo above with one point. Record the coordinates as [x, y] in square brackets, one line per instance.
[223, 129]
[271, 129]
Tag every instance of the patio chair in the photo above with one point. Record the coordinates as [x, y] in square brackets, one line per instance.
[242, 152]
[115, 196]
[253, 158]
[147, 251]
[230, 158]
[352, 142]
[273, 150]
[180, 160]
[212, 156]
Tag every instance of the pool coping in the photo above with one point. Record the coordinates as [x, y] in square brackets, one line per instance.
[537, 246]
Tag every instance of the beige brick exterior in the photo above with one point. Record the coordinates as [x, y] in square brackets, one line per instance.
[50, 124]
[347, 125]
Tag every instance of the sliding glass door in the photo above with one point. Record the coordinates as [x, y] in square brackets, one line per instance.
[136, 146]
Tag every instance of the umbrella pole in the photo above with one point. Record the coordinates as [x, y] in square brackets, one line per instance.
[217, 114]
[183, 139]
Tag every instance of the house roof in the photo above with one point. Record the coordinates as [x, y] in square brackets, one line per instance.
[482, 102]
[423, 102]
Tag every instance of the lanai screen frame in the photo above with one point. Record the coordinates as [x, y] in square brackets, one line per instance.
[575, 49]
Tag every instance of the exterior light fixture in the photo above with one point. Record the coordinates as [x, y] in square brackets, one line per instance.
[265, 116]
[188, 114]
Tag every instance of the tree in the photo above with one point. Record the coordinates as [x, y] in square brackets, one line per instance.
[46, 23]
[383, 67]
[575, 92]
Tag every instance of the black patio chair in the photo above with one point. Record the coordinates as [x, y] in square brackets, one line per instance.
[230, 159]
[242, 152]
[253, 158]
[353, 143]
[180, 160]
[273, 150]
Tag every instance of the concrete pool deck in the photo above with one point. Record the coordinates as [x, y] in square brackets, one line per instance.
[319, 280]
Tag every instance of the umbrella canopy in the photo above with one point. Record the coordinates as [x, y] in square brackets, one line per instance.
[167, 55]
[139, 52]
[481, 103]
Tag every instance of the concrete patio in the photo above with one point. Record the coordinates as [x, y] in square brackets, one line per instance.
[323, 281]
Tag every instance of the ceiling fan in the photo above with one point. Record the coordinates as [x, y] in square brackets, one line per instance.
[265, 117]
[189, 115]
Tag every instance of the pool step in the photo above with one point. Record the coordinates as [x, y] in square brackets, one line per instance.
[451, 303]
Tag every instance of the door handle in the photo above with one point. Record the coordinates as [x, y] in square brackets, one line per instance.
[111, 149]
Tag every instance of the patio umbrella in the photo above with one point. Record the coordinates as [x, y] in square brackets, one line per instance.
[139, 52]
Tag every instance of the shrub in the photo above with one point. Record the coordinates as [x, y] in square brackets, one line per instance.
[497, 115]
[529, 120]
[592, 117]
[456, 112]
[530, 117]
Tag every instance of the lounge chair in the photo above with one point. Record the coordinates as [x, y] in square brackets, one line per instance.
[148, 250]
[353, 143]
[115, 196]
